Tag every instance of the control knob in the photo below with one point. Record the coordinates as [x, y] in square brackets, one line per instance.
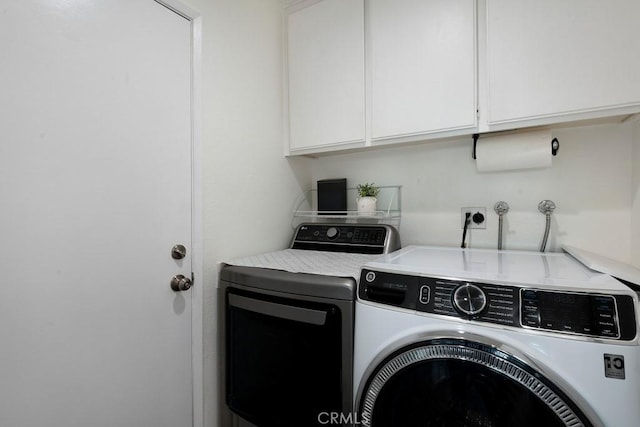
[332, 233]
[469, 299]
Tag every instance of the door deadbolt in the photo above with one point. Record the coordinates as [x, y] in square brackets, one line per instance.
[178, 252]
[180, 283]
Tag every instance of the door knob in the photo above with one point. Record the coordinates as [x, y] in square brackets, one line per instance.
[180, 283]
[178, 252]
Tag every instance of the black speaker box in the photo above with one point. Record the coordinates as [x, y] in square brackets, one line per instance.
[332, 195]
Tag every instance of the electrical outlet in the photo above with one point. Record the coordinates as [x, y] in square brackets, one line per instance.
[478, 218]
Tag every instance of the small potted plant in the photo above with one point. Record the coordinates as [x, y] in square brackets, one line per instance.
[367, 198]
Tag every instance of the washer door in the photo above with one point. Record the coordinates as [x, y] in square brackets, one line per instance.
[453, 382]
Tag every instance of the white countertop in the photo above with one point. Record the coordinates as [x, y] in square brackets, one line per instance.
[517, 267]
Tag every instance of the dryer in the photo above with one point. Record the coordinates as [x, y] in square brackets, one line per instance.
[286, 325]
[472, 337]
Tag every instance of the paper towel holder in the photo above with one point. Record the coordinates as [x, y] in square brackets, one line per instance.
[555, 145]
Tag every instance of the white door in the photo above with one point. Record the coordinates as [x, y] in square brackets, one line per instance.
[95, 189]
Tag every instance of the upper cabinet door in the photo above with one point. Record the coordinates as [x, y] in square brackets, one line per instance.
[326, 75]
[551, 61]
[423, 67]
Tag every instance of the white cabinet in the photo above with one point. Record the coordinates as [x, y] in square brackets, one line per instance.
[373, 72]
[325, 64]
[552, 61]
[423, 67]
[420, 72]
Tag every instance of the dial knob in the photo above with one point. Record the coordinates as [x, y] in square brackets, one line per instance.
[332, 233]
[469, 299]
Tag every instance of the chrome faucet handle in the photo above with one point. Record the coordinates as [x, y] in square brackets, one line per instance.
[546, 207]
[501, 208]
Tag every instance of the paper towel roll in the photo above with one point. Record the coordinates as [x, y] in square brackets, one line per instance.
[514, 151]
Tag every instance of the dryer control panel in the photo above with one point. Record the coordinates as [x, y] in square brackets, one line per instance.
[354, 238]
[575, 313]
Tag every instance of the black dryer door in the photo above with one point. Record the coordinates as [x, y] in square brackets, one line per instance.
[453, 382]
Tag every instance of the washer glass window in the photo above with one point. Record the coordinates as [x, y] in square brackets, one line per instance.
[450, 382]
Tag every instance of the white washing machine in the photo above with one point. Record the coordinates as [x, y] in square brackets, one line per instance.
[464, 337]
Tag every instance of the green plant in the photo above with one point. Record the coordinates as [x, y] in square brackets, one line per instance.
[367, 190]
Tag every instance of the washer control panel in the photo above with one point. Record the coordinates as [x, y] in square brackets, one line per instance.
[584, 314]
[577, 313]
[478, 301]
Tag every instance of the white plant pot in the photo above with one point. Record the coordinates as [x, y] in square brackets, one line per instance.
[367, 206]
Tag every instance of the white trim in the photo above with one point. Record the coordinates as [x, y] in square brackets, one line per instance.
[631, 118]
[297, 5]
[197, 238]
[368, 75]
[566, 117]
[197, 227]
[180, 8]
[285, 82]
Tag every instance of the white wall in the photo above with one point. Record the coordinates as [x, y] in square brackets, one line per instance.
[635, 195]
[590, 182]
[249, 187]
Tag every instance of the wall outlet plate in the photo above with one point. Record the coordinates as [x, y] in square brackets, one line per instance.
[476, 221]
